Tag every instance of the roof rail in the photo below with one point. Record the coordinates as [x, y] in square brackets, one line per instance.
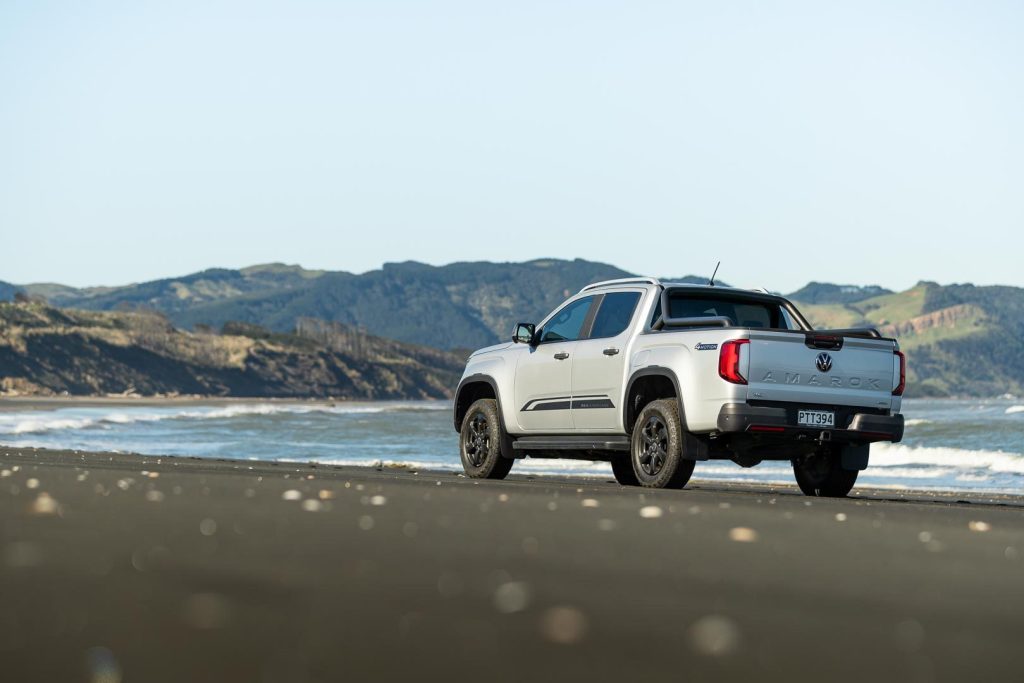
[623, 281]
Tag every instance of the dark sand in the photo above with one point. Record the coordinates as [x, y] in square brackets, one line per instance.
[206, 573]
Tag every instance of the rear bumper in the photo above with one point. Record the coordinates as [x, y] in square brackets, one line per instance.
[740, 418]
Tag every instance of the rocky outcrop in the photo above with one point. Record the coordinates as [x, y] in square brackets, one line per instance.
[44, 350]
[960, 316]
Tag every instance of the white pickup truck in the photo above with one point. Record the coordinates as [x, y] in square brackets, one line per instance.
[655, 376]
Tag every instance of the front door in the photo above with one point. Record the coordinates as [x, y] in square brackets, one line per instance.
[543, 382]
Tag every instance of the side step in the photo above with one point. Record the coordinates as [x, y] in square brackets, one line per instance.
[598, 442]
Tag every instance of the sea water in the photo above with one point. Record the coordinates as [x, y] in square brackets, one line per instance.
[973, 445]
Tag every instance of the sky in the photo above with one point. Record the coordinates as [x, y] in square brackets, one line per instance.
[867, 143]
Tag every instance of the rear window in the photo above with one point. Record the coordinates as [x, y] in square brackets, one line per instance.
[740, 313]
[614, 315]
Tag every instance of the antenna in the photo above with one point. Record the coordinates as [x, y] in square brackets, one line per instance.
[711, 282]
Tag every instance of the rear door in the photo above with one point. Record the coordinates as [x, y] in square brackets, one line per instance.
[543, 384]
[599, 367]
[784, 367]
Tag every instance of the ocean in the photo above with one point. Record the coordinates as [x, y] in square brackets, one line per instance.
[968, 445]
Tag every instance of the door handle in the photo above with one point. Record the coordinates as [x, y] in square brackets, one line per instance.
[561, 355]
[611, 351]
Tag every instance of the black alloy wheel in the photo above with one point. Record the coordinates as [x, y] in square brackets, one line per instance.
[480, 442]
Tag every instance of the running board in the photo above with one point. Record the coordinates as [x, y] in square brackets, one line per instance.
[599, 442]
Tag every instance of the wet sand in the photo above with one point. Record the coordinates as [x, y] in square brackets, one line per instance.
[122, 567]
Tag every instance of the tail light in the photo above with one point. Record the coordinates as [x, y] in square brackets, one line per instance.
[898, 391]
[729, 361]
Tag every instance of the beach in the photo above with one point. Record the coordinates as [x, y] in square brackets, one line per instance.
[127, 567]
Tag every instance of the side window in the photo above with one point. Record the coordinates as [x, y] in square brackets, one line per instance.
[614, 314]
[567, 323]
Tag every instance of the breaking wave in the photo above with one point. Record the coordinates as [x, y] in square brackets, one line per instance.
[91, 418]
[1014, 409]
[958, 459]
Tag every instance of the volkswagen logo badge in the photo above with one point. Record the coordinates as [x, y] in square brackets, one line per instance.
[824, 362]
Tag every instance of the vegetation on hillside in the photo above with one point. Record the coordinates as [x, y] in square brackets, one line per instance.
[961, 339]
[826, 293]
[45, 350]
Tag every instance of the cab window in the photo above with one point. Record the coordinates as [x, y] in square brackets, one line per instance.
[614, 314]
[566, 324]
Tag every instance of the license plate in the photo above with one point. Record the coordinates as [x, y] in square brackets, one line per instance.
[816, 418]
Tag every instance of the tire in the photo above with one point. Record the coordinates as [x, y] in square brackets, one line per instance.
[480, 442]
[622, 468]
[656, 447]
[822, 475]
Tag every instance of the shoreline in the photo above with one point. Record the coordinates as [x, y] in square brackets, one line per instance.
[10, 404]
[29, 455]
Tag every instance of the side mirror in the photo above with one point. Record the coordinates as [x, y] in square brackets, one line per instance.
[524, 333]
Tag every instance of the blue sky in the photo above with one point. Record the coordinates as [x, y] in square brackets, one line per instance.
[870, 142]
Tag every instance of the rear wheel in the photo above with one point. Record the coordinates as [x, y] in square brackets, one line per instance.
[822, 475]
[622, 468]
[480, 442]
[656, 447]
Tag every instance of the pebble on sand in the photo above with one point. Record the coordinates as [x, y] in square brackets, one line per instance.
[590, 503]
[511, 597]
[714, 636]
[563, 625]
[651, 512]
[742, 534]
[103, 666]
[291, 494]
[312, 505]
[44, 504]
[976, 525]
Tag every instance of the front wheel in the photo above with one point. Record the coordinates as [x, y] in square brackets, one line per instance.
[656, 449]
[480, 442]
[822, 475]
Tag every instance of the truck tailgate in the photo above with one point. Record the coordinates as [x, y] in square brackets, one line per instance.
[786, 366]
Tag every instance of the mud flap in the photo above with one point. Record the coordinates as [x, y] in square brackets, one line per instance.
[694, 447]
[855, 456]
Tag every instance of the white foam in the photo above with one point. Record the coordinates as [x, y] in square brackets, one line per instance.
[1014, 409]
[38, 426]
[891, 455]
[913, 422]
[86, 418]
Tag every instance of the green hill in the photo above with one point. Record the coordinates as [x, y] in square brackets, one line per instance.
[825, 293]
[44, 350]
[172, 295]
[7, 290]
[959, 339]
[462, 305]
